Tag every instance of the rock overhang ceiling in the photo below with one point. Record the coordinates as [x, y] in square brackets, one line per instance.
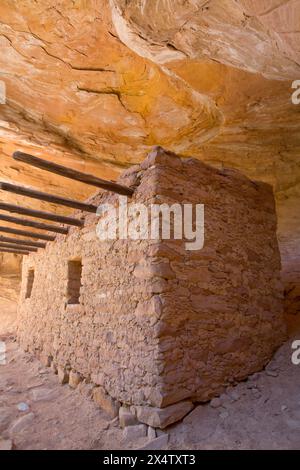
[94, 84]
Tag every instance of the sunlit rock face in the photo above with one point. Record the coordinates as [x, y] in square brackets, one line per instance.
[94, 84]
[253, 35]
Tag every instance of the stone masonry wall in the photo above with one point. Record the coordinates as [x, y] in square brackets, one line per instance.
[223, 305]
[104, 338]
[156, 323]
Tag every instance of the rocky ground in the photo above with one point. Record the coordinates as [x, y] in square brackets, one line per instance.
[37, 412]
[260, 413]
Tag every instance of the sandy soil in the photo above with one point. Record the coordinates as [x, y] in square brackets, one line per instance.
[260, 413]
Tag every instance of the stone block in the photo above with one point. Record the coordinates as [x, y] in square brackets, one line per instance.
[45, 360]
[132, 433]
[74, 379]
[151, 433]
[63, 375]
[159, 156]
[106, 402]
[163, 417]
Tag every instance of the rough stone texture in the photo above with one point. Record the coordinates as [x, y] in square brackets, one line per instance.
[106, 402]
[163, 417]
[151, 433]
[225, 304]
[42, 394]
[271, 402]
[231, 31]
[74, 379]
[292, 293]
[126, 418]
[160, 443]
[158, 324]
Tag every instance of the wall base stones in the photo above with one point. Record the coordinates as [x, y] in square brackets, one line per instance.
[126, 418]
[63, 375]
[163, 417]
[107, 403]
[159, 326]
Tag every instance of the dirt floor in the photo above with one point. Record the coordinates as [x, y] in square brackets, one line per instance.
[260, 413]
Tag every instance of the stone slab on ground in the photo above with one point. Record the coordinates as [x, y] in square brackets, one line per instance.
[63, 375]
[163, 417]
[43, 393]
[159, 443]
[21, 423]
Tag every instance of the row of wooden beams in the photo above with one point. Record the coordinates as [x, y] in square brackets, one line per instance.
[24, 246]
[26, 233]
[19, 247]
[18, 241]
[40, 214]
[33, 224]
[72, 174]
[16, 252]
[41, 196]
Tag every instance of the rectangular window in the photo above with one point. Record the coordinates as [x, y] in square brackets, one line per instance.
[30, 280]
[74, 281]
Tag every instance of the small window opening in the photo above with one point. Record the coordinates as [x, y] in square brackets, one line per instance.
[74, 281]
[30, 280]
